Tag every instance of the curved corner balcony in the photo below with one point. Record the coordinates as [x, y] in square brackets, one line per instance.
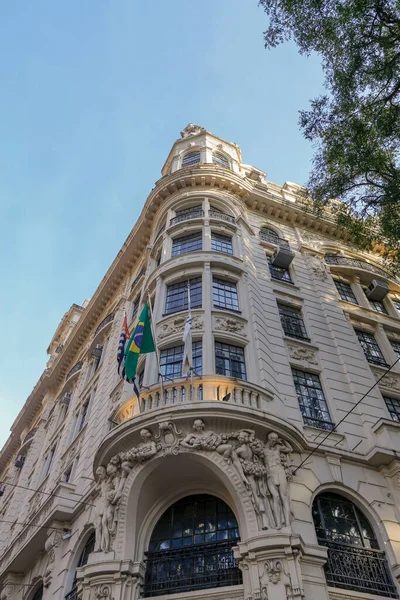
[75, 369]
[356, 265]
[187, 216]
[267, 237]
[106, 321]
[208, 388]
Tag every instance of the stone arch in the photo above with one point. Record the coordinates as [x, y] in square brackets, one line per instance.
[32, 592]
[360, 502]
[272, 228]
[144, 500]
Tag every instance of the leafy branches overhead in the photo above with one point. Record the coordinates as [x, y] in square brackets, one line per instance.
[356, 126]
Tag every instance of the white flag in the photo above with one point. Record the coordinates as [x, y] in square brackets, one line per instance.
[187, 340]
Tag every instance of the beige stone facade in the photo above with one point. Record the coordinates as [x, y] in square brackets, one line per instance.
[281, 354]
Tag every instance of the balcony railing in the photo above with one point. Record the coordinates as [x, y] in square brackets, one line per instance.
[359, 569]
[30, 435]
[193, 214]
[213, 213]
[345, 261]
[74, 370]
[104, 322]
[73, 594]
[137, 279]
[192, 568]
[274, 239]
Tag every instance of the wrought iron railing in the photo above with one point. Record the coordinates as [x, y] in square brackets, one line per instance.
[191, 568]
[345, 261]
[30, 435]
[104, 322]
[140, 275]
[213, 213]
[358, 569]
[160, 231]
[74, 370]
[273, 239]
[194, 214]
[73, 594]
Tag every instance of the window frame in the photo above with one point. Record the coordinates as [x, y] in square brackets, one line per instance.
[346, 294]
[224, 244]
[191, 153]
[371, 346]
[219, 348]
[286, 278]
[196, 236]
[179, 288]
[222, 288]
[296, 317]
[315, 397]
[176, 352]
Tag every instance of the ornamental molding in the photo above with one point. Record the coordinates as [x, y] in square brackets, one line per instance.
[191, 129]
[390, 381]
[230, 325]
[176, 325]
[303, 353]
[317, 267]
[254, 467]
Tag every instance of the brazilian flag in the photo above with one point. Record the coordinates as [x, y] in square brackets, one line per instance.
[140, 342]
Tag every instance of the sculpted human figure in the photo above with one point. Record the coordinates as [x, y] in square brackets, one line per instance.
[255, 473]
[202, 439]
[100, 521]
[275, 450]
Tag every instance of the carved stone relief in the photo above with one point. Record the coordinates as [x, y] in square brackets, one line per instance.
[263, 467]
[176, 326]
[389, 381]
[229, 324]
[191, 129]
[275, 582]
[301, 353]
[317, 267]
[53, 541]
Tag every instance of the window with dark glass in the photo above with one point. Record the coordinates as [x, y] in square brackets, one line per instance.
[279, 273]
[191, 158]
[135, 307]
[83, 415]
[396, 347]
[225, 295]
[345, 291]
[312, 402]
[372, 352]
[229, 360]
[292, 322]
[38, 595]
[187, 243]
[191, 548]
[177, 295]
[393, 406]
[184, 214]
[378, 306]
[220, 159]
[354, 559]
[220, 214]
[269, 235]
[88, 549]
[221, 243]
[171, 360]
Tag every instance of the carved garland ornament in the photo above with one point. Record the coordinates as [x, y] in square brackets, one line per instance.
[301, 353]
[229, 324]
[176, 326]
[263, 467]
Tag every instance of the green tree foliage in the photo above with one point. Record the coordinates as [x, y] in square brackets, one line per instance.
[355, 127]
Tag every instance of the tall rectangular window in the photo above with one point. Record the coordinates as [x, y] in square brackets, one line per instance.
[171, 360]
[229, 360]
[177, 295]
[345, 291]
[221, 243]
[225, 295]
[396, 347]
[312, 400]
[393, 406]
[83, 416]
[279, 273]
[187, 243]
[378, 306]
[292, 322]
[135, 307]
[396, 302]
[48, 461]
[372, 352]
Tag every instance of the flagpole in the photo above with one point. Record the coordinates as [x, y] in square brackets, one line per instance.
[152, 324]
[190, 312]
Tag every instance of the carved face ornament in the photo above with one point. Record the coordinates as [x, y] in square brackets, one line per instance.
[198, 425]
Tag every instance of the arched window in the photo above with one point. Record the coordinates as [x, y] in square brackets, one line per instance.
[220, 159]
[354, 559]
[83, 558]
[191, 548]
[191, 158]
[38, 595]
[269, 235]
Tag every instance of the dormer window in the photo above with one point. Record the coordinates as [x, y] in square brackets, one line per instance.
[220, 159]
[191, 158]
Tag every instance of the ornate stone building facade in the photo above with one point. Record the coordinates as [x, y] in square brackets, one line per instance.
[201, 489]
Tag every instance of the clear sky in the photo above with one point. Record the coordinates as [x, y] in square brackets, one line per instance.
[93, 94]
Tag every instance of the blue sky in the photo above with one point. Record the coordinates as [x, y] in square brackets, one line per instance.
[93, 94]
